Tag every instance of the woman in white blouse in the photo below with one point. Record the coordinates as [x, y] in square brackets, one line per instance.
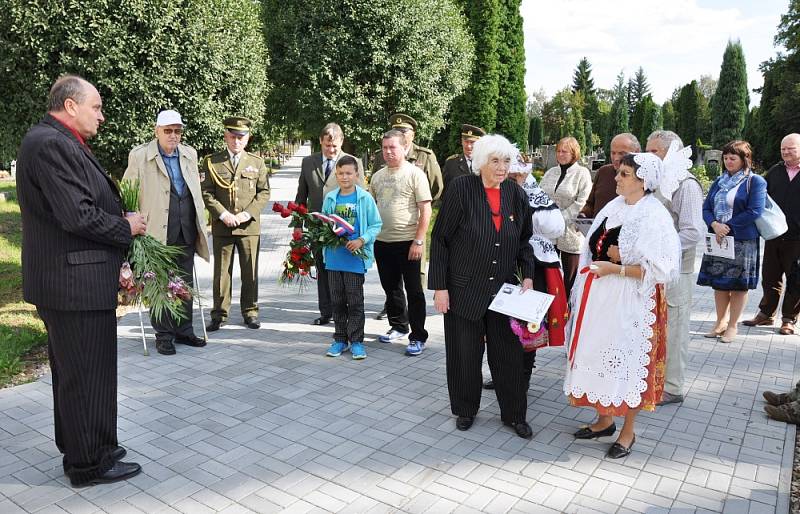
[569, 185]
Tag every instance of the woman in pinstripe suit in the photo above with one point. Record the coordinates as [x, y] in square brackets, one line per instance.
[480, 239]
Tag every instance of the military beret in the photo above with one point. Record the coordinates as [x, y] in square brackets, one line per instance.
[471, 132]
[402, 121]
[237, 125]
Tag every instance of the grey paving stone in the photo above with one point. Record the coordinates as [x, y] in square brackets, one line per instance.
[261, 421]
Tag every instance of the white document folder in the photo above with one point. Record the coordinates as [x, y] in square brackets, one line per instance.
[529, 306]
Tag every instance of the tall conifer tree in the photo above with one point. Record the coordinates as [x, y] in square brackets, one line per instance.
[730, 103]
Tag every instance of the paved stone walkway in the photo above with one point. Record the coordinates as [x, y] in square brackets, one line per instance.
[262, 421]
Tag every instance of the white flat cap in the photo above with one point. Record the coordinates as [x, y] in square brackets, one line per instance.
[168, 117]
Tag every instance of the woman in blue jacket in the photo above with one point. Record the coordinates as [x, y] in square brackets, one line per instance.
[734, 202]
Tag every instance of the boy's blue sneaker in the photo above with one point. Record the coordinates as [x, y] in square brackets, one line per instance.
[415, 348]
[337, 348]
[358, 351]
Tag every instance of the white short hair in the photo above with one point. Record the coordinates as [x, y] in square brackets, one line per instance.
[665, 138]
[491, 144]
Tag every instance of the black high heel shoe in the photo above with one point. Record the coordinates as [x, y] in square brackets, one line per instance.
[617, 451]
[588, 433]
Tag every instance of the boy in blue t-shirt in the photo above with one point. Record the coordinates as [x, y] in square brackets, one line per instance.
[345, 270]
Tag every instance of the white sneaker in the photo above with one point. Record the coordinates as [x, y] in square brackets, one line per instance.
[392, 335]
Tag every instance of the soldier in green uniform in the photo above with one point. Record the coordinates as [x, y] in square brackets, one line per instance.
[460, 164]
[421, 157]
[235, 190]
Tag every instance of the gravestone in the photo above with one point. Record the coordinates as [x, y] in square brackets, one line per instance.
[713, 162]
[14, 169]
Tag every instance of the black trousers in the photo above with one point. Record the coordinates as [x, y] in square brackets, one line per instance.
[464, 343]
[347, 301]
[323, 289]
[167, 327]
[396, 271]
[569, 263]
[779, 257]
[82, 348]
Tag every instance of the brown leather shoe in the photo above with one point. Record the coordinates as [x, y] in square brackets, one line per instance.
[788, 412]
[776, 398]
[787, 329]
[759, 320]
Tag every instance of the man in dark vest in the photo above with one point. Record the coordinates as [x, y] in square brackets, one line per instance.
[171, 200]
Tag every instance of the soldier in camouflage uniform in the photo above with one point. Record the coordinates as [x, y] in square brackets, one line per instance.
[235, 190]
[784, 406]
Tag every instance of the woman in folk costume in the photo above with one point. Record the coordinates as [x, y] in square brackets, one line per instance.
[548, 226]
[617, 341]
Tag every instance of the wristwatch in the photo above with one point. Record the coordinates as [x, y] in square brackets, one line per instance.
[419, 242]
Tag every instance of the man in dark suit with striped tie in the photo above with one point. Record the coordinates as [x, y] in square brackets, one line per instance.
[318, 178]
[74, 239]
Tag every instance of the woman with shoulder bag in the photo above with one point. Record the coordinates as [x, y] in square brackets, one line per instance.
[734, 202]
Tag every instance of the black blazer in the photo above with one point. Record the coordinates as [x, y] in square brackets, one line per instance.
[455, 166]
[469, 257]
[786, 194]
[74, 235]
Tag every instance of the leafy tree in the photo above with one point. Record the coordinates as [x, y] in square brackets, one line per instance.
[693, 118]
[536, 102]
[143, 56]
[646, 118]
[708, 86]
[477, 104]
[618, 117]
[535, 133]
[588, 136]
[511, 119]
[778, 114]
[668, 116]
[358, 61]
[563, 116]
[730, 104]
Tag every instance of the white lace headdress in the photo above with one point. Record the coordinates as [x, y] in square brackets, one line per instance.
[664, 176]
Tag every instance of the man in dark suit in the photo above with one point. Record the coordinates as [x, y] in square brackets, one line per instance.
[235, 190]
[74, 239]
[317, 179]
[460, 164]
[781, 253]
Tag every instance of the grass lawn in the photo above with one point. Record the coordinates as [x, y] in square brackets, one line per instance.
[22, 334]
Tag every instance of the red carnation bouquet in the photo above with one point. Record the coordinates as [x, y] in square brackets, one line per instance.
[319, 229]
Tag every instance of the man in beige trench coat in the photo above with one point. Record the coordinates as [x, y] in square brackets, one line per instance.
[171, 201]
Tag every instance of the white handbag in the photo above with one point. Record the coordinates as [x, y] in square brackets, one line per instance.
[772, 222]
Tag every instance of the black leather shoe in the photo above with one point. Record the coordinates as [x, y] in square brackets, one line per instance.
[322, 320]
[192, 340]
[464, 422]
[165, 347]
[617, 451]
[119, 471]
[489, 384]
[588, 433]
[522, 428]
[215, 324]
[118, 453]
[382, 314]
[252, 323]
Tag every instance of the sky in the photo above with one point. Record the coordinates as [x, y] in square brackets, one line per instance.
[674, 41]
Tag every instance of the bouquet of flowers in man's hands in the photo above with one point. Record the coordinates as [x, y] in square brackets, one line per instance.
[149, 274]
[315, 229]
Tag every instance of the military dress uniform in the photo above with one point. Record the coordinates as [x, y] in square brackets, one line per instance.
[457, 165]
[421, 157]
[244, 188]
